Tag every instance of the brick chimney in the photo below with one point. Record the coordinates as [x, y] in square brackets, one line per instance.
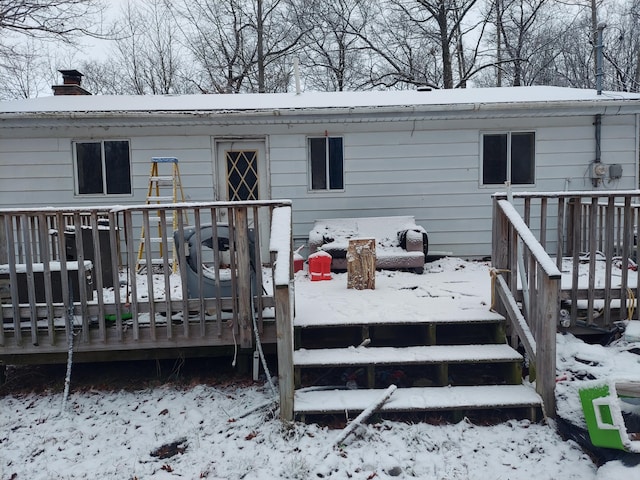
[71, 80]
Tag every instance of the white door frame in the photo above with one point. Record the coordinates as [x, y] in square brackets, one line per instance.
[258, 145]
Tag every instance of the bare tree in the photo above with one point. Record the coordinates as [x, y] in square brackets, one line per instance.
[62, 19]
[577, 56]
[232, 46]
[400, 45]
[238, 45]
[103, 78]
[334, 54]
[147, 51]
[23, 63]
[448, 15]
[622, 49]
[430, 42]
[521, 33]
[277, 36]
[22, 73]
[147, 56]
[215, 34]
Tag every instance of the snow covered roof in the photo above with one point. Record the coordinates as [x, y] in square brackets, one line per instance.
[436, 100]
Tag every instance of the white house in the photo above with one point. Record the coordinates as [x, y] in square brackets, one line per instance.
[437, 155]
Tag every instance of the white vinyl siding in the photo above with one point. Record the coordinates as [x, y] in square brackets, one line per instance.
[426, 168]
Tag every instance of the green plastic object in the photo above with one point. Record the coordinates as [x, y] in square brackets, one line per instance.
[111, 317]
[603, 415]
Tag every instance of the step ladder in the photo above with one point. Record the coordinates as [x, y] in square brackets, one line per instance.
[158, 194]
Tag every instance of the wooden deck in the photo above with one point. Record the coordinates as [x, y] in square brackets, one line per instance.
[433, 336]
[548, 250]
[117, 308]
[572, 252]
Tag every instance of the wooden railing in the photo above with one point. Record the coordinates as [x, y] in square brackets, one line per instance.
[535, 325]
[567, 261]
[91, 284]
[281, 246]
[592, 237]
[602, 238]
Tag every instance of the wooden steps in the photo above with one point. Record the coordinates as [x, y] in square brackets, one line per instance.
[352, 356]
[458, 316]
[417, 399]
[456, 362]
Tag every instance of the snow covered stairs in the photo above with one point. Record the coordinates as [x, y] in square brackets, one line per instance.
[456, 365]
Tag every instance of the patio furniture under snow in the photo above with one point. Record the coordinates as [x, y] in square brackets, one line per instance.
[400, 243]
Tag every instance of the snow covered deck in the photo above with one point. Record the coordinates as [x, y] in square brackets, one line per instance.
[416, 331]
[400, 298]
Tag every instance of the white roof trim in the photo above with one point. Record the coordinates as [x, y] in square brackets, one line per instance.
[315, 102]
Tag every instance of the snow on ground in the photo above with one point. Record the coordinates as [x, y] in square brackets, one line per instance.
[217, 431]
[113, 435]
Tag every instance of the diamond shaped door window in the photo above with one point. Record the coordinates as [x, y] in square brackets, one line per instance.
[242, 174]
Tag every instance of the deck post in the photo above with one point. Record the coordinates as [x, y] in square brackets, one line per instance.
[244, 277]
[283, 286]
[114, 245]
[500, 248]
[284, 334]
[546, 343]
[608, 248]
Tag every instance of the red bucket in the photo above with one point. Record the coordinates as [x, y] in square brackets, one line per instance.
[320, 266]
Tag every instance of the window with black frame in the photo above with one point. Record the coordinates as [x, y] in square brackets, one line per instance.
[508, 156]
[326, 163]
[102, 167]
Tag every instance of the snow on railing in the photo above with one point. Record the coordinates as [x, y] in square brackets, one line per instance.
[282, 258]
[280, 244]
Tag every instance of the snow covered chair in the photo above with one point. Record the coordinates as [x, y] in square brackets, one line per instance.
[400, 243]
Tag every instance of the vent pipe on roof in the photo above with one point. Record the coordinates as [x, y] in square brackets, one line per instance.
[599, 72]
[71, 80]
[296, 73]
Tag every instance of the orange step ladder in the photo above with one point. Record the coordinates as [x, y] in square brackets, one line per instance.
[158, 193]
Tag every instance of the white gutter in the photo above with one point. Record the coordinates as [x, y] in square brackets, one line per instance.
[609, 102]
[104, 119]
[611, 106]
[319, 115]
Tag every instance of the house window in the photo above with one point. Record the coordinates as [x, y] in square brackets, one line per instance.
[326, 163]
[508, 156]
[103, 167]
